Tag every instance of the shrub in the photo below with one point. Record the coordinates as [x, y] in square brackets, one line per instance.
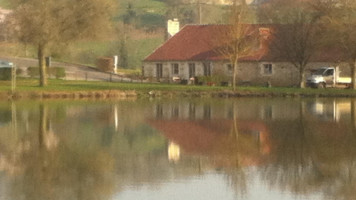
[213, 80]
[19, 71]
[5, 73]
[58, 72]
[33, 72]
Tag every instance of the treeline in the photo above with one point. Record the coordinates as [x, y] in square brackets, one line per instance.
[154, 16]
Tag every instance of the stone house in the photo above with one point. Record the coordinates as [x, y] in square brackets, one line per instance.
[190, 53]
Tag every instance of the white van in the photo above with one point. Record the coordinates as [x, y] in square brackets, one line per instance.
[6, 64]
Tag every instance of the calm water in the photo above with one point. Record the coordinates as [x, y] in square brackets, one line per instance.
[185, 149]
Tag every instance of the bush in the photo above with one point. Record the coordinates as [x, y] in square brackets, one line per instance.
[213, 80]
[58, 72]
[5, 73]
[33, 72]
[19, 71]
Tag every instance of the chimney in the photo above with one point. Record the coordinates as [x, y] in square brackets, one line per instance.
[265, 36]
[265, 33]
[172, 27]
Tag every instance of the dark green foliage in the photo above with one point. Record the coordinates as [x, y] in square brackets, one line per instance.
[33, 72]
[123, 60]
[5, 116]
[130, 15]
[58, 72]
[151, 21]
[5, 73]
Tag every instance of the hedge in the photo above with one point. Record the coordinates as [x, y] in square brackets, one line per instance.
[5, 73]
[58, 72]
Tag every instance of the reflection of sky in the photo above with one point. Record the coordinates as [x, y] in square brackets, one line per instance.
[210, 186]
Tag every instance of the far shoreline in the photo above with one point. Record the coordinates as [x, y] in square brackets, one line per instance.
[141, 94]
[65, 89]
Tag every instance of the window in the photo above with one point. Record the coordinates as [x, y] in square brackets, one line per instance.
[207, 69]
[191, 70]
[266, 112]
[159, 70]
[267, 69]
[175, 68]
[329, 72]
[175, 111]
[207, 112]
[229, 67]
[159, 112]
[192, 111]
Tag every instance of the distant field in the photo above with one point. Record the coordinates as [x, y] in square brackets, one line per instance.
[30, 86]
[5, 3]
[87, 52]
[149, 6]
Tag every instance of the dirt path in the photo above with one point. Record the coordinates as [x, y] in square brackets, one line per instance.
[73, 71]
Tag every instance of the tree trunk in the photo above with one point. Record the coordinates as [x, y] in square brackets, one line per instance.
[42, 66]
[302, 78]
[234, 74]
[353, 74]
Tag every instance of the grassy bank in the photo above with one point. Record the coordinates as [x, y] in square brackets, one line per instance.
[28, 88]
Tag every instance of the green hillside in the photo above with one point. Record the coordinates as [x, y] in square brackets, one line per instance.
[142, 24]
[5, 4]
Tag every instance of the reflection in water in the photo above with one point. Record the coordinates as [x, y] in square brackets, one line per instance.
[260, 148]
[173, 152]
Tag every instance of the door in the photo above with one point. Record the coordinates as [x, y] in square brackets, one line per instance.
[207, 69]
[159, 70]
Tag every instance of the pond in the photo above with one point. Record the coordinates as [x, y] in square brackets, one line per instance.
[248, 148]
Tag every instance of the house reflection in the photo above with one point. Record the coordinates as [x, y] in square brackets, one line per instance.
[173, 152]
[190, 111]
[326, 110]
[204, 130]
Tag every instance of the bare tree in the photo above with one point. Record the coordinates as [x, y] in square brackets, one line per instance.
[237, 39]
[342, 20]
[296, 38]
[48, 24]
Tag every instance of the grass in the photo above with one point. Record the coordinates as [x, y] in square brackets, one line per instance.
[31, 85]
[5, 4]
[143, 6]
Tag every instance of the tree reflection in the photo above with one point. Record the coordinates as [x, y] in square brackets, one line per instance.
[314, 156]
[58, 157]
[52, 169]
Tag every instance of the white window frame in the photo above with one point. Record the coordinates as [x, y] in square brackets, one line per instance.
[229, 67]
[175, 65]
[192, 70]
[267, 69]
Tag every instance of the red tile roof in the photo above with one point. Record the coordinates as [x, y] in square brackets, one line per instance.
[194, 43]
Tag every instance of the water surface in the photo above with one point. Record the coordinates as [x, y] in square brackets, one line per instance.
[249, 148]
